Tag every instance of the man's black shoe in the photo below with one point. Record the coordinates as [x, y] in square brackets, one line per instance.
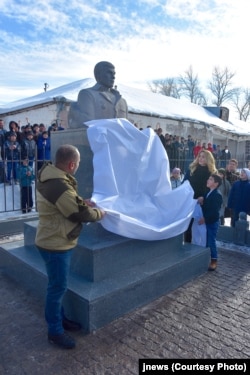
[64, 341]
[69, 325]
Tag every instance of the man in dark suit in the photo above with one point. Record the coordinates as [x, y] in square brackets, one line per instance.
[211, 204]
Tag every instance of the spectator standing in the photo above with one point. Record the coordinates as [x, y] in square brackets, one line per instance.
[2, 172]
[2, 138]
[204, 146]
[177, 149]
[183, 151]
[43, 149]
[217, 155]
[232, 174]
[161, 136]
[197, 175]
[169, 149]
[191, 145]
[225, 157]
[12, 150]
[2, 129]
[61, 214]
[54, 127]
[42, 128]
[26, 176]
[197, 148]
[199, 171]
[175, 178]
[239, 196]
[14, 128]
[211, 204]
[27, 129]
[210, 148]
[28, 148]
[36, 132]
[224, 189]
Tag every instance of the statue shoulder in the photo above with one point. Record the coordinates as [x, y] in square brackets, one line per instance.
[88, 93]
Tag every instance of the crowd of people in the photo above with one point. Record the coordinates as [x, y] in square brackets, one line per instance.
[24, 149]
[220, 188]
[211, 172]
[181, 152]
[220, 192]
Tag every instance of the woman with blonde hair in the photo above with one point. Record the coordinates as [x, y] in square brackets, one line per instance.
[197, 175]
[199, 171]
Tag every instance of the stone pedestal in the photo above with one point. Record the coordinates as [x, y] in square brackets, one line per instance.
[110, 275]
[78, 138]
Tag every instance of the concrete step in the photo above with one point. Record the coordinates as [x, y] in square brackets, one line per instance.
[100, 253]
[96, 303]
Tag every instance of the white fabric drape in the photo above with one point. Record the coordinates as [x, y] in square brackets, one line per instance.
[132, 182]
[199, 231]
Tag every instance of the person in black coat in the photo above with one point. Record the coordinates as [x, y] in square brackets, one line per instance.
[197, 175]
[211, 204]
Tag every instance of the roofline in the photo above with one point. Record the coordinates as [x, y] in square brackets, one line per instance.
[68, 101]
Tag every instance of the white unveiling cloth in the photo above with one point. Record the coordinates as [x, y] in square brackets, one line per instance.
[199, 231]
[132, 182]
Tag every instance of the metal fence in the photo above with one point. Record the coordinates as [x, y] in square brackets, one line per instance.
[10, 191]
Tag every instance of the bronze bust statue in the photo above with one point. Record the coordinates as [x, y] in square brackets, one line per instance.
[101, 101]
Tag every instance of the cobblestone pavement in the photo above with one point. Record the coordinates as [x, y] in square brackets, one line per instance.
[206, 318]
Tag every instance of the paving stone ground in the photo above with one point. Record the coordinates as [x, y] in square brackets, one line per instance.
[208, 317]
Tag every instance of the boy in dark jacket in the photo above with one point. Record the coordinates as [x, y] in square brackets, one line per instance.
[211, 204]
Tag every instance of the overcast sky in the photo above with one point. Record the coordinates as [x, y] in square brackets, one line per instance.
[60, 41]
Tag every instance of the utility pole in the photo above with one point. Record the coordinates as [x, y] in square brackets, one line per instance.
[46, 86]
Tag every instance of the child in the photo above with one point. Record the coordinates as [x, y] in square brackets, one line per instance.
[211, 204]
[175, 178]
[26, 178]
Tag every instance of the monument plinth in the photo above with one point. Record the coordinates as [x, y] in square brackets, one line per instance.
[110, 275]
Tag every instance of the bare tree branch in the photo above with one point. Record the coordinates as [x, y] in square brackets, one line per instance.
[220, 86]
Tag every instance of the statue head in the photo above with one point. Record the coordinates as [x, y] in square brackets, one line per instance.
[104, 73]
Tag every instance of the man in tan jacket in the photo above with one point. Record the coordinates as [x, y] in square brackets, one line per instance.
[61, 214]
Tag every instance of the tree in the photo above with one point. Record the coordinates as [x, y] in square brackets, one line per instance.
[220, 86]
[167, 87]
[189, 87]
[241, 102]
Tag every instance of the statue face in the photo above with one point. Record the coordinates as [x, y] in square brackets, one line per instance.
[107, 76]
